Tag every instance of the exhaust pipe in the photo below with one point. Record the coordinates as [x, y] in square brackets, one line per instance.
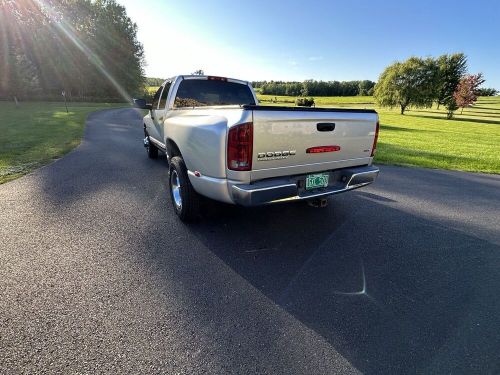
[318, 203]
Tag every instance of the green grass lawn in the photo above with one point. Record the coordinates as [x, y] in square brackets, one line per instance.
[425, 138]
[36, 133]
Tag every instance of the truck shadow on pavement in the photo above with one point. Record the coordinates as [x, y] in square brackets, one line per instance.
[391, 292]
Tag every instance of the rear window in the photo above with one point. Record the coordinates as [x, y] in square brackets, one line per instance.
[201, 92]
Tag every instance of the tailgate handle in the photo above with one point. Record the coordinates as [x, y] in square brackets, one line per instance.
[325, 126]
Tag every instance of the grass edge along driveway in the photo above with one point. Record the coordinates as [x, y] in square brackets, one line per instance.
[37, 133]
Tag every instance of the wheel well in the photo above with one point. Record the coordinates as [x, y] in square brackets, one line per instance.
[172, 149]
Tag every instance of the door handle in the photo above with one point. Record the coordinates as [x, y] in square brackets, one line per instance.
[325, 126]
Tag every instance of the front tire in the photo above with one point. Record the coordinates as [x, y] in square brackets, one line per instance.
[151, 149]
[185, 200]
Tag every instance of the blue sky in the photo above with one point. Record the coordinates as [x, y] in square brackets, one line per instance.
[327, 40]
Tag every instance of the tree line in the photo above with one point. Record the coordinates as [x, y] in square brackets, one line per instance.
[421, 82]
[154, 82]
[86, 49]
[315, 88]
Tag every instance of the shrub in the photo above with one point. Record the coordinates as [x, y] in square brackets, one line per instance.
[304, 102]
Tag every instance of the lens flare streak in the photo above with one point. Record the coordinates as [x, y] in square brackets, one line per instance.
[68, 31]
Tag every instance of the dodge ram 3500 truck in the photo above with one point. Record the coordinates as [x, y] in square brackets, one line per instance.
[221, 144]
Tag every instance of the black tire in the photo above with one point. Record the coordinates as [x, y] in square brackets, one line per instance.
[188, 206]
[151, 150]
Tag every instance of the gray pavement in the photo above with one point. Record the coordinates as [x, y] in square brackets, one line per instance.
[97, 275]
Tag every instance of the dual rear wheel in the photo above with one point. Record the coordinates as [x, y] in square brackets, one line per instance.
[185, 200]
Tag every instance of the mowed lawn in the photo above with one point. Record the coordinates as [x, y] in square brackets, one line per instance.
[425, 138]
[34, 134]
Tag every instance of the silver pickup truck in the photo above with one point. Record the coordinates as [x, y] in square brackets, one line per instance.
[222, 145]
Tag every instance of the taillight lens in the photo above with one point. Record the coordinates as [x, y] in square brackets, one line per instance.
[375, 139]
[239, 147]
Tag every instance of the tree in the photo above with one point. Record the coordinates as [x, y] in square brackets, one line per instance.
[451, 69]
[306, 87]
[466, 93]
[87, 48]
[483, 91]
[198, 72]
[407, 84]
[17, 20]
[155, 82]
[451, 107]
[317, 88]
[364, 87]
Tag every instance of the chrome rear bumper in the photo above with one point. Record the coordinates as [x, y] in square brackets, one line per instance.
[291, 188]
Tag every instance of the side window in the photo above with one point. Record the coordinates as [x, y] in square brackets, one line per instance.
[156, 98]
[164, 95]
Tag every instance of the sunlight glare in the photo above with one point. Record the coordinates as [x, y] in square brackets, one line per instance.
[68, 31]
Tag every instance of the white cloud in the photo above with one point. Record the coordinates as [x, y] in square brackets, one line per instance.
[315, 58]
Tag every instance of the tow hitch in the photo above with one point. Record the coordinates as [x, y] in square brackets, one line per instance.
[318, 202]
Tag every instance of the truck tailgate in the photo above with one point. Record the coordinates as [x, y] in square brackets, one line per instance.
[283, 135]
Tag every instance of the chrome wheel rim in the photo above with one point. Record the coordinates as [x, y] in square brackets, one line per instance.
[175, 187]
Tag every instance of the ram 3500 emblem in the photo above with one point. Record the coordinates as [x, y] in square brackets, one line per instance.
[275, 155]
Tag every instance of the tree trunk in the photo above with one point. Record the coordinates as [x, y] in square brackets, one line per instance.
[15, 100]
[462, 111]
[403, 107]
[438, 105]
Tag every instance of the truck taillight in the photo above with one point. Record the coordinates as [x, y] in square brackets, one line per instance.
[239, 147]
[375, 140]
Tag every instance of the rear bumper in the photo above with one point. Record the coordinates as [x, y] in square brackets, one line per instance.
[292, 188]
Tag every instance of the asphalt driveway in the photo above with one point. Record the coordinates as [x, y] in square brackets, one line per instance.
[97, 275]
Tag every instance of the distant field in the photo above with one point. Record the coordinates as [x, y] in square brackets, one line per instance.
[320, 100]
[36, 133]
[425, 138]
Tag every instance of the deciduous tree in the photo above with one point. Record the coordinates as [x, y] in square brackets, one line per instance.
[486, 91]
[451, 69]
[407, 84]
[365, 87]
[87, 48]
[466, 93]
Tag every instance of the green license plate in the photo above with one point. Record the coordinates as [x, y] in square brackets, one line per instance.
[314, 181]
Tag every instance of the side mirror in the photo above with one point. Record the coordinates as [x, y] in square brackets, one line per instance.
[141, 103]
